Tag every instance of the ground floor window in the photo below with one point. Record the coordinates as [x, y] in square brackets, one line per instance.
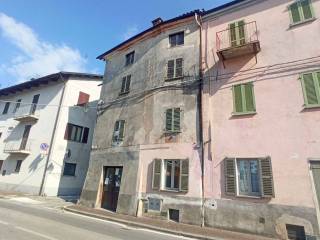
[248, 177]
[172, 179]
[69, 169]
[18, 166]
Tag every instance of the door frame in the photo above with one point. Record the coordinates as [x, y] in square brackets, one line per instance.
[24, 140]
[314, 191]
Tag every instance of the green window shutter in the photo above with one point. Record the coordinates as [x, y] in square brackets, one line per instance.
[170, 70]
[295, 12]
[233, 35]
[249, 97]
[310, 89]
[241, 32]
[169, 119]
[230, 176]
[179, 67]
[266, 178]
[176, 119]
[237, 33]
[156, 178]
[121, 130]
[184, 175]
[237, 99]
[306, 9]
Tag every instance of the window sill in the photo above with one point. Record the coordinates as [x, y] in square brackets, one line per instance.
[176, 46]
[73, 176]
[171, 190]
[249, 196]
[124, 93]
[173, 79]
[292, 25]
[172, 132]
[311, 106]
[243, 113]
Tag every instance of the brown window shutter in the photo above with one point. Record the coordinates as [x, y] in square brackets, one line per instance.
[85, 135]
[266, 178]
[67, 133]
[184, 175]
[156, 178]
[83, 98]
[230, 176]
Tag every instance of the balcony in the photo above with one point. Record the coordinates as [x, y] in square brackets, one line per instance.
[18, 147]
[26, 113]
[238, 40]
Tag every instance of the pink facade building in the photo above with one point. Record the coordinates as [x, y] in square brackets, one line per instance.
[261, 104]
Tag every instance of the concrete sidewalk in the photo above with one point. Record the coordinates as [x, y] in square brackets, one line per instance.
[185, 230]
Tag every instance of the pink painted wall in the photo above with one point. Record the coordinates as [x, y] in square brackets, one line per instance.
[282, 128]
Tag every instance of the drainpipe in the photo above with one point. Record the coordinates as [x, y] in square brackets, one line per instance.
[200, 100]
[52, 139]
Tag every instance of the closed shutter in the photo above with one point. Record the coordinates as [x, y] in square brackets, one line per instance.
[249, 96]
[176, 119]
[233, 35]
[237, 94]
[156, 178]
[266, 178]
[169, 119]
[241, 32]
[170, 70]
[85, 135]
[123, 86]
[184, 175]
[306, 9]
[230, 176]
[310, 86]
[179, 67]
[295, 14]
[121, 130]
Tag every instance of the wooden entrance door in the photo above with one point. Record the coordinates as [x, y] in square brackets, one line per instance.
[25, 137]
[111, 187]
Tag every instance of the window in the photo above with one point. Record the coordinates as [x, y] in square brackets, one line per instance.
[237, 33]
[69, 169]
[76, 133]
[301, 11]
[295, 232]
[0, 135]
[243, 99]
[129, 58]
[249, 177]
[18, 166]
[173, 120]
[125, 86]
[118, 133]
[16, 108]
[311, 88]
[176, 39]
[83, 98]
[1, 163]
[175, 68]
[6, 108]
[170, 174]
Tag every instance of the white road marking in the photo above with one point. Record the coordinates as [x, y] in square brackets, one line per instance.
[36, 233]
[3, 223]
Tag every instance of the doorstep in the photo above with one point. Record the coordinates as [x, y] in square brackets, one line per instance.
[204, 233]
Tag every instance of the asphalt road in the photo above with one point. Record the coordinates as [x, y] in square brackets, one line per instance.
[21, 221]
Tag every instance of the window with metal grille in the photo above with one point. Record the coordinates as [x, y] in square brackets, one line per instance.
[125, 86]
[76, 133]
[129, 58]
[176, 39]
[301, 11]
[243, 99]
[175, 68]
[69, 169]
[173, 117]
[311, 88]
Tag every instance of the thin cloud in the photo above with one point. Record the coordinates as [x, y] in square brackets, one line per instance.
[37, 57]
[130, 32]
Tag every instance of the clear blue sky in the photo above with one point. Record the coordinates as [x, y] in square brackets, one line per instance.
[42, 36]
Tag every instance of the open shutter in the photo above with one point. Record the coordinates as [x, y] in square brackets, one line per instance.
[266, 178]
[184, 175]
[310, 89]
[237, 99]
[230, 176]
[249, 96]
[306, 9]
[121, 130]
[176, 120]
[179, 67]
[156, 178]
[295, 13]
[169, 119]
[170, 70]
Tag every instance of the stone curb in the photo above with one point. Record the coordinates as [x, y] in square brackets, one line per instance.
[134, 224]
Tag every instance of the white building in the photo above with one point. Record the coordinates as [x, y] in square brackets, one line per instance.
[57, 112]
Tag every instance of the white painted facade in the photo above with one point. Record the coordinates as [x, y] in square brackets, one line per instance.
[56, 107]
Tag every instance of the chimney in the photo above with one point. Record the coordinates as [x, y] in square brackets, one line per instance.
[157, 21]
